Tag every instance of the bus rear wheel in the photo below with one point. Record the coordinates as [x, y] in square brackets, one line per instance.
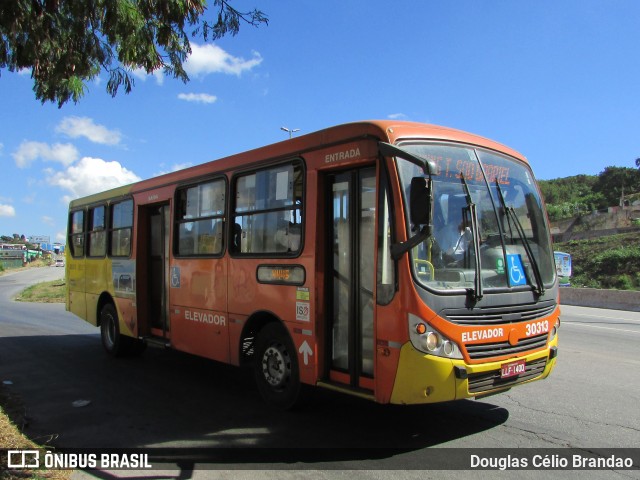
[113, 341]
[110, 331]
[276, 369]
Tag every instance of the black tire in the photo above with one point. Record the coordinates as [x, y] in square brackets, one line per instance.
[276, 367]
[112, 341]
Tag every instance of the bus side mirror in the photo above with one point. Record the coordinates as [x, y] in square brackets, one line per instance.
[421, 201]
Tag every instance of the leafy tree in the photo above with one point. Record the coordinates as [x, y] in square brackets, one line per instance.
[572, 196]
[568, 189]
[613, 179]
[67, 43]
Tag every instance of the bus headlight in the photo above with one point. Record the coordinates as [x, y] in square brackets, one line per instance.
[432, 341]
[447, 348]
[427, 339]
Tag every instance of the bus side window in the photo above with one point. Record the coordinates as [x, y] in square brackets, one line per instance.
[97, 232]
[121, 227]
[268, 211]
[386, 274]
[200, 219]
[76, 233]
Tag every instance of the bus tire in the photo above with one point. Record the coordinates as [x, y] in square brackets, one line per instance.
[112, 341]
[276, 367]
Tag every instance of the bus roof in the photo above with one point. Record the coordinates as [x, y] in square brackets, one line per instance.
[386, 130]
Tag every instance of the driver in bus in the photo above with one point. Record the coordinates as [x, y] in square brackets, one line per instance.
[462, 243]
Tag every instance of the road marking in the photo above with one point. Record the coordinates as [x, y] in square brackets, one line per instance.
[577, 311]
[577, 324]
[612, 318]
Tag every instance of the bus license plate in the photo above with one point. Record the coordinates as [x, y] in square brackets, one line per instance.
[512, 369]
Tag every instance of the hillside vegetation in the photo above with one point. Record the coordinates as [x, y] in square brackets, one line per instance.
[605, 262]
[580, 194]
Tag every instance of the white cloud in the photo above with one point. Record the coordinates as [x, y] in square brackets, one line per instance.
[141, 74]
[197, 97]
[174, 168]
[205, 59]
[61, 237]
[47, 220]
[92, 175]
[27, 152]
[7, 211]
[397, 116]
[75, 127]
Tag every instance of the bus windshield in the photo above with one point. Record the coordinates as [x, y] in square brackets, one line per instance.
[483, 202]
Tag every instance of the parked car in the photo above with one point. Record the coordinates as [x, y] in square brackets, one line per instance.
[60, 262]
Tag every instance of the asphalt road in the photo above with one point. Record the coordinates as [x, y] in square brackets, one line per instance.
[167, 399]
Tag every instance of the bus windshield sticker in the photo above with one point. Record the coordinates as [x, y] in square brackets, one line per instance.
[516, 270]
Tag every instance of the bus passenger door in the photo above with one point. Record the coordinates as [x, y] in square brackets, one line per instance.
[351, 279]
[153, 267]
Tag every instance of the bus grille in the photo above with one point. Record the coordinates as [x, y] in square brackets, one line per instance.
[486, 350]
[481, 382]
[499, 315]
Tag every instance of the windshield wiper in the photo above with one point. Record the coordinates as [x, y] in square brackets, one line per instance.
[512, 216]
[477, 291]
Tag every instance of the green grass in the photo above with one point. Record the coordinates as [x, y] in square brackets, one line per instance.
[44, 292]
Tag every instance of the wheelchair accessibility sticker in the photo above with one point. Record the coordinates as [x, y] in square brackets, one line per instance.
[516, 270]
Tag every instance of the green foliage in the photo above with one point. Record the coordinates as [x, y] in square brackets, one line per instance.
[67, 43]
[613, 180]
[605, 262]
[573, 196]
[568, 189]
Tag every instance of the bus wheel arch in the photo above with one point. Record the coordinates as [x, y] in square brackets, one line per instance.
[105, 298]
[274, 359]
[250, 331]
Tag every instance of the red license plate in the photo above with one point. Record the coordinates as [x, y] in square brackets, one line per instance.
[513, 368]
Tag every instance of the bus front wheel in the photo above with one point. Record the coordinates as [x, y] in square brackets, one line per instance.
[276, 368]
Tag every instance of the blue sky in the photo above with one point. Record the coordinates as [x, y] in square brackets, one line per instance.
[558, 81]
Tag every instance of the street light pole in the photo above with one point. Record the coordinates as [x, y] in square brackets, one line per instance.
[290, 131]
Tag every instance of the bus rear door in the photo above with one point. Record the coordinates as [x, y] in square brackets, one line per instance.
[153, 270]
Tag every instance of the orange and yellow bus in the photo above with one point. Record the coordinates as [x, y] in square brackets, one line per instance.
[401, 262]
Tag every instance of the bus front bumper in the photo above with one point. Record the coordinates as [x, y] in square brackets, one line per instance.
[423, 378]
